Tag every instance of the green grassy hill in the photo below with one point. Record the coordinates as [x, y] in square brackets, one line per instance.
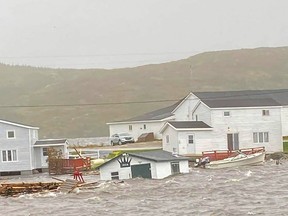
[262, 68]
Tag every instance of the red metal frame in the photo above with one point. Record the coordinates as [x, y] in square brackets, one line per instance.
[222, 154]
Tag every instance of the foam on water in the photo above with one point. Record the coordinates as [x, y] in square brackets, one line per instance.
[253, 190]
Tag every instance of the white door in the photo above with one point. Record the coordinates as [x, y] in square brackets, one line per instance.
[44, 157]
[182, 146]
[190, 144]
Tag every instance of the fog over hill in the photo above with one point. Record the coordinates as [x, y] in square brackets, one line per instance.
[86, 99]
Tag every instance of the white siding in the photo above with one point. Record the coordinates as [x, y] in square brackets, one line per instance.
[173, 140]
[202, 141]
[203, 113]
[159, 170]
[184, 112]
[137, 129]
[22, 143]
[245, 122]
[124, 173]
[284, 119]
[164, 168]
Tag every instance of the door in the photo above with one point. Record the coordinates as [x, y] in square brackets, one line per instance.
[182, 146]
[233, 141]
[141, 170]
[175, 168]
[44, 157]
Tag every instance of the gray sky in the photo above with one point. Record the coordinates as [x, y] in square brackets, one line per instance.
[127, 33]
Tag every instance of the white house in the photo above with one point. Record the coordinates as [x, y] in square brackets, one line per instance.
[156, 164]
[20, 150]
[238, 119]
[16, 147]
[179, 137]
[148, 123]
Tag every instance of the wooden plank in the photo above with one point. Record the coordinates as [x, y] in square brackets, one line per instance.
[68, 186]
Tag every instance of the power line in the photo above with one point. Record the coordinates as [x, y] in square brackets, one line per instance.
[145, 102]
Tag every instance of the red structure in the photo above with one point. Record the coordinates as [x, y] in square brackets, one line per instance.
[222, 154]
[77, 175]
[68, 166]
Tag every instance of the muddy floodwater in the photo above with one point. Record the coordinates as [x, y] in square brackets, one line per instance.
[250, 190]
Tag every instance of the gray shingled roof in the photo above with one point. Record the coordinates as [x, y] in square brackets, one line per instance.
[188, 124]
[50, 142]
[247, 98]
[155, 115]
[158, 155]
[235, 102]
[154, 155]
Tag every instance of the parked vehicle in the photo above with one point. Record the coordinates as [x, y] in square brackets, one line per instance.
[121, 138]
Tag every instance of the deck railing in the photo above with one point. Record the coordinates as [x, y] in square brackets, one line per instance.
[222, 154]
[62, 166]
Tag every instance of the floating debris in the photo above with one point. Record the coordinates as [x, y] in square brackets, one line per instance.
[15, 189]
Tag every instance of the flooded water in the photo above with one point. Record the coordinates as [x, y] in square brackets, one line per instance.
[251, 190]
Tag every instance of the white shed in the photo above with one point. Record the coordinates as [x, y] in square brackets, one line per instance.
[41, 151]
[156, 164]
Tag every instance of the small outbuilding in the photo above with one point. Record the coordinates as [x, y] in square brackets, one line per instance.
[156, 164]
[41, 151]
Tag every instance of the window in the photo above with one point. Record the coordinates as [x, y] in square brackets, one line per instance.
[45, 151]
[167, 138]
[130, 127]
[175, 167]
[10, 134]
[190, 139]
[114, 175]
[255, 137]
[35, 134]
[266, 137]
[260, 137]
[265, 112]
[144, 126]
[226, 113]
[9, 155]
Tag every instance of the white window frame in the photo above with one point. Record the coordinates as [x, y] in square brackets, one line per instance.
[34, 134]
[265, 113]
[261, 137]
[167, 139]
[226, 113]
[45, 152]
[14, 134]
[130, 127]
[14, 155]
[115, 175]
[193, 141]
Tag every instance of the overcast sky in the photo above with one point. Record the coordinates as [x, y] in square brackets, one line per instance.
[121, 33]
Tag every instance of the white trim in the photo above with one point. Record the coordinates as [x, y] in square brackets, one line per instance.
[182, 129]
[142, 121]
[19, 125]
[183, 100]
[6, 150]
[14, 133]
[193, 129]
[238, 108]
[47, 145]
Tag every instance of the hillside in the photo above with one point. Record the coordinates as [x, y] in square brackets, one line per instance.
[107, 91]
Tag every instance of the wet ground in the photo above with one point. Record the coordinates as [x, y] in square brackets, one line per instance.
[250, 190]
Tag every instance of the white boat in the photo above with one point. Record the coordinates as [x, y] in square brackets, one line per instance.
[240, 160]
